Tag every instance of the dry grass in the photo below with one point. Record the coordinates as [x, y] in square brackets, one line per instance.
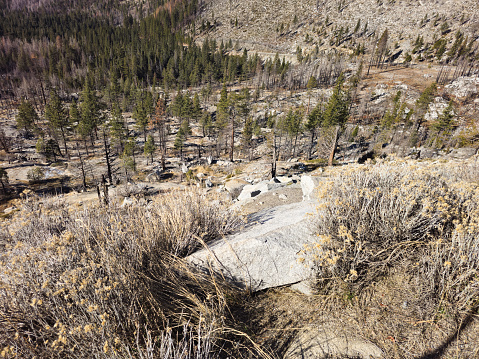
[399, 245]
[109, 282]
[398, 257]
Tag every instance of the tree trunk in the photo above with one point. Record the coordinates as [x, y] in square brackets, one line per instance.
[163, 161]
[4, 191]
[232, 140]
[273, 164]
[64, 141]
[294, 146]
[107, 157]
[334, 146]
[105, 190]
[82, 168]
[311, 146]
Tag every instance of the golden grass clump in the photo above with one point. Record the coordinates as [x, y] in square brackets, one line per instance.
[423, 217]
[109, 281]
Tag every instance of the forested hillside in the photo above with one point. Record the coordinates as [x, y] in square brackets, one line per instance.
[121, 46]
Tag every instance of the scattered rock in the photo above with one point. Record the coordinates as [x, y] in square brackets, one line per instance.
[151, 178]
[323, 342]
[283, 196]
[208, 183]
[427, 152]
[9, 209]
[462, 153]
[436, 109]
[127, 201]
[235, 186]
[284, 179]
[463, 87]
[255, 189]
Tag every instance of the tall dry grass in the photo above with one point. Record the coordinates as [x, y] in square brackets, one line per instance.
[423, 217]
[109, 281]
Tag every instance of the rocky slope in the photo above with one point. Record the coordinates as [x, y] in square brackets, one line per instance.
[274, 26]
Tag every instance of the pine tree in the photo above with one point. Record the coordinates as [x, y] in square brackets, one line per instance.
[247, 136]
[149, 148]
[128, 156]
[117, 129]
[141, 116]
[222, 116]
[181, 136]
[445, 122]
[336, 114]
[56, 116]
[177, 105]
[222, 109]
[293, 127]
[206, 124]
[26, 117]
[196, 110]
[358, 26]
[89, 112]
[315, 120]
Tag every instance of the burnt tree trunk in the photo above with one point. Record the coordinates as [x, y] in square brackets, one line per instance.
[334, 146]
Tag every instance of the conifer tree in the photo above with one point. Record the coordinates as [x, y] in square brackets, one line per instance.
[128, 156]
[149, 148]
[141, 117]
[117, 129]
[89, 112]
[292, 125]
[315, 120]
[56, 116]
[336, 114]
[196, 110]
[26, 117]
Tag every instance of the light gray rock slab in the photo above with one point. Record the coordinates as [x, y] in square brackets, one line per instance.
[265, 254]
[462, 153]
[253, 190]
[323, 342]
[308, 185]
[284, 179]
[235, 186]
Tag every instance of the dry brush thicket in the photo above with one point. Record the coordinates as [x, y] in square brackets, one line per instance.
[109, 281]
[420, 217]
[398, 255]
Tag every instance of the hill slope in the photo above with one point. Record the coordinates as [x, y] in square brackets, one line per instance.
[281, 26]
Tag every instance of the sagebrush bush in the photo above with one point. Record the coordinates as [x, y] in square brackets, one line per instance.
[375, 217]
[109, 281]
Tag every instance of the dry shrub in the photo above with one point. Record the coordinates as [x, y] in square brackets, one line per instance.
[131, 190]
[394, 214]
[108, 282]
